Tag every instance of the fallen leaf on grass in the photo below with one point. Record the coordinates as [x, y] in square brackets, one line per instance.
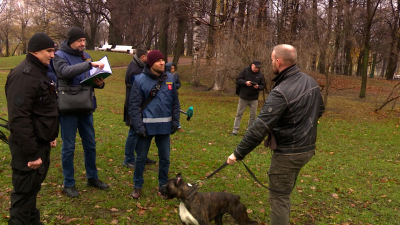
[70, 220]
[114, 210]
[142, 212]
[335, 195]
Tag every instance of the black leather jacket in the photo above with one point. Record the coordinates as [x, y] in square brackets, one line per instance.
[290, 112]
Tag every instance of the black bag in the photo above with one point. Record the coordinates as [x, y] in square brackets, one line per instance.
[238, 89]
[75, 98]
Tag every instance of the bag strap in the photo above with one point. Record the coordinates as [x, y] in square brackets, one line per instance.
[151, 97]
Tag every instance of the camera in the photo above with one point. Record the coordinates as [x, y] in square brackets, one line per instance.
[153, 92]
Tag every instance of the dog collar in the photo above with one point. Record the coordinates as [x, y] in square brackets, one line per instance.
[193, 190]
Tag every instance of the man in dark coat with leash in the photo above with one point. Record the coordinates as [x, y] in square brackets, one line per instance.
[290, 117]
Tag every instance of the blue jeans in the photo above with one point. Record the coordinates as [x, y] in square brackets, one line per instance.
[69, 126]
[163, 145]
[130, 147]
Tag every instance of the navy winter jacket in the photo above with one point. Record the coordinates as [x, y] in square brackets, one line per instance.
[162, 112]
[72, 66]
[176, 76]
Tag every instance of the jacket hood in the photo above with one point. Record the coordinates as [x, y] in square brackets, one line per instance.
[168, 66]
[64, 46]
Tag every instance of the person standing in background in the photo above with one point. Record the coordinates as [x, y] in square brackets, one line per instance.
[135, 67]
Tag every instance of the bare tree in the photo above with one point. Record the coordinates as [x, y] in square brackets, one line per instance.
[371, 10]
[394, 23]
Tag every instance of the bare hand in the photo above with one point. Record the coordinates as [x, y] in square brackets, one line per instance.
[35, 164]
[248, 83]
[53, 144]
[98, 65]
[99, 81]
[231, 159]
[255, 86]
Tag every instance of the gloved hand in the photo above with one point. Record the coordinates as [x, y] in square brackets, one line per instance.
[174, 129]
[142, 135]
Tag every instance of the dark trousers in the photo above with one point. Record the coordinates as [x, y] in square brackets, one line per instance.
[163, 144]
[27, 185]
[283, 173]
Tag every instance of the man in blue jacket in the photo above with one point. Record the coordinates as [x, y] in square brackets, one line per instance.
[72, 65]
[135, 67]
[154, 112]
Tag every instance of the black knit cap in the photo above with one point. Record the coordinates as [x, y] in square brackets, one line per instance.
[40, 41]
[74, 34]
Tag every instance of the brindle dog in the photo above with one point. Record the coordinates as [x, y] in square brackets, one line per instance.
[202, 208]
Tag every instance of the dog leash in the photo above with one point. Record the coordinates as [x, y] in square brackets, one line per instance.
[255, 178]
[193, 190]
[199, 183]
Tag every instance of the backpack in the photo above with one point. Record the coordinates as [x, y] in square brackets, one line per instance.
[238, 89]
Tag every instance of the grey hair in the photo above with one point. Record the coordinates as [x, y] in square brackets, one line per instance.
[141, 50]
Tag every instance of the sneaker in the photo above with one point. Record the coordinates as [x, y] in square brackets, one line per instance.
[129, 165]
[233, 134]
[150, 162]
[71, 191]
[97, 184]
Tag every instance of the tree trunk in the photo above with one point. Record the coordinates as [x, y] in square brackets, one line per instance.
[23, 37]
[180, 38]
[315, 34]
[373, 66]
[163, 36]
[383, 70]
[240, 19]
[364, 70]
[395, 45]
[211, 32]
[189, 48]
[194, 79]
[150, 32]
[262, 14]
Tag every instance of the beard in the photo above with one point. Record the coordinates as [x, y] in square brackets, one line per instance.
[274, 69]
[158, 70]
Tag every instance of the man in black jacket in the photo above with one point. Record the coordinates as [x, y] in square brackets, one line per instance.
[290, 117]
[251, 81]
[135, 67]
[33, 124]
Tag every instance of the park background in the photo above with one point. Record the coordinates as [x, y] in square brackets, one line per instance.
[352, 179]
[350, 47]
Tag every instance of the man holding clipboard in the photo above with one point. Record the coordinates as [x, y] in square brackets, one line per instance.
[72, 65]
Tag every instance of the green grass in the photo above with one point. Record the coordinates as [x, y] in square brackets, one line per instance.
[115, 58]
[352, 179]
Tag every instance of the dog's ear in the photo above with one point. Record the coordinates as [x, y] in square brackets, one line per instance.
[178, 178]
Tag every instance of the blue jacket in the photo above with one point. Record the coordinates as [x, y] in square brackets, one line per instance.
[162, 112]
[176, 76]
[72, 66]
